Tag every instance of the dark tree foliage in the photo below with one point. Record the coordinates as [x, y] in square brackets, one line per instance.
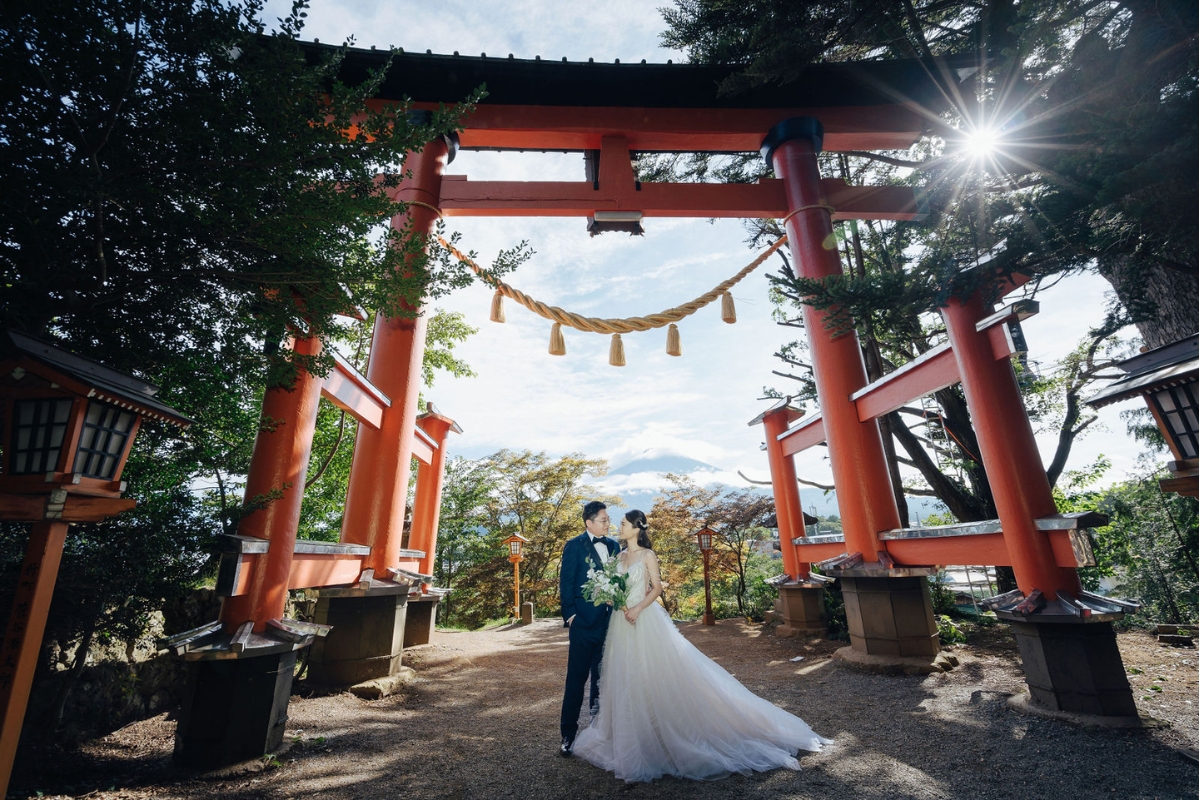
[1093, 106]
[175, 181]
[180, 189]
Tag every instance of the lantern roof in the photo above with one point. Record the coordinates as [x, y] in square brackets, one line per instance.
[516, 537]
[84, 376]
[1170, 365]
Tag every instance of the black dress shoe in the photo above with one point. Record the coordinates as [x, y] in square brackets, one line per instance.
[565, 749]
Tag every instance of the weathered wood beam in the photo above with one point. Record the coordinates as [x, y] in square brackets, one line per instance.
[466, 198]
[807, 433]
[728, 130]
[349, 390]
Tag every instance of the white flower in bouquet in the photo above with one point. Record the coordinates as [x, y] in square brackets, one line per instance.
[606, 586]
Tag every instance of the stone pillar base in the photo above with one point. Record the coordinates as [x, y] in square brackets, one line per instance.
[367, 640]
[233, 709]
[1074, 667]
[802, 609]
[527, 613]
[422, 616]
[890, 617]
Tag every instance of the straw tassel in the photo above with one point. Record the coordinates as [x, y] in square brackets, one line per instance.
[497, 307]
[727, 312]
[558, 347]
[673, 346]
[616, 351]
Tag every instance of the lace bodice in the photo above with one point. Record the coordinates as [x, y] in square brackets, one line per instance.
[637, 583]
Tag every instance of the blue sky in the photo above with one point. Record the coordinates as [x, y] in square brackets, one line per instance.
[696, 406]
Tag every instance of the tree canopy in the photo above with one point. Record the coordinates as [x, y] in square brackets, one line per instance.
[179, 191]
[1091, 108]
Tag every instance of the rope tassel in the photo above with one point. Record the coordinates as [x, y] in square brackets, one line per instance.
[728, 314]
[558, 347]
[616, 351]
[674, 348]
[497, 307]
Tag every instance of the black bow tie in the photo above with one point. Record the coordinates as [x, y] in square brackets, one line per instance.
[595, 539]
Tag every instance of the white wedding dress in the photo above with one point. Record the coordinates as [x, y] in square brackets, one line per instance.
[667, 709]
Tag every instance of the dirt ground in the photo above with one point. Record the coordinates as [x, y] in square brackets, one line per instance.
[481, 720]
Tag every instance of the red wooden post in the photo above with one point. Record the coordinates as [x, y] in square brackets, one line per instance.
[788, 512]
[276, 480]
[709, 618]
[378, 491]
[427, 502]
[860, 473]
[23, 639]
[1009, 451]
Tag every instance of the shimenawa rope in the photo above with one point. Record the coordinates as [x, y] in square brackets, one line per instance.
[616, 327]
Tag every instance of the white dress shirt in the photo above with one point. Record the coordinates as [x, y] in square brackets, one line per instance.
[601, 548]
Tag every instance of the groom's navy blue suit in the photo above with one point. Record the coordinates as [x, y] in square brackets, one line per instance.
[587, 630]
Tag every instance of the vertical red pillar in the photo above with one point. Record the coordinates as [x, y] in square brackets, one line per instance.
[275, 485]
[23, 637]
[1009, 451]
[789, 514]
[860, 473]
[378, 491]
[427, 503]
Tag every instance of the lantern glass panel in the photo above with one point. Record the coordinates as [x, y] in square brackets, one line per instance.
[705, 541]
[39, 427]
[1177, 409]
[515, 547]
[103, 439]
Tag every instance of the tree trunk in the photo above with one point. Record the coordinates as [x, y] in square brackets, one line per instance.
[1161, 301]
[70, 679]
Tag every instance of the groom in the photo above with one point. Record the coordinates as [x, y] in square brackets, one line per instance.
[588, 623]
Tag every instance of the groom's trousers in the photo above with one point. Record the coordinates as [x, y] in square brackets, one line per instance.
[583, 660]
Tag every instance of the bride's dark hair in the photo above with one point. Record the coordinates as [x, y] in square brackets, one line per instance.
[638, 520]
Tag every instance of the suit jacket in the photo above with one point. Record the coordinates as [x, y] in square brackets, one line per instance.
[579, 555]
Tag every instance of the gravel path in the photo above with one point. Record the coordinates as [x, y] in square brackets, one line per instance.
[481, 720]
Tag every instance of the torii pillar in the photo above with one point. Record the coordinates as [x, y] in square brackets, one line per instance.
[369, 619]
[801, 602]
[235, 708]
[427, 507]
[1071, 664]
[378, 491]
[888, 614]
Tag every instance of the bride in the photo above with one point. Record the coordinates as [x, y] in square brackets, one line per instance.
[666, 708]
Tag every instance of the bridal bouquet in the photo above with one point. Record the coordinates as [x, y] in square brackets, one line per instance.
[606, 586]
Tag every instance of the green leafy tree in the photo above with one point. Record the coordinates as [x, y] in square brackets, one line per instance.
[180, 190]
[680, 511]
[1149, 547]
[740, 518]
[464, 539]
[1093, 105]
[1094, 110]
[530, 494]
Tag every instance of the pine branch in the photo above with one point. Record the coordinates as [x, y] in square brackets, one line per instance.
[813, 484]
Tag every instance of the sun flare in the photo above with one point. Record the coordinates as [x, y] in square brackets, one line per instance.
[982, 142]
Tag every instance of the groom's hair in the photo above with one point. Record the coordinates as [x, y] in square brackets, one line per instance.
[592, 509]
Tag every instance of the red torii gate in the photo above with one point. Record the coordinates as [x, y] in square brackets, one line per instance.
[612, 111]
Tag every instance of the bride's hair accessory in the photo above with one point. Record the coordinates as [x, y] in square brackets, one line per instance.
[638, 520]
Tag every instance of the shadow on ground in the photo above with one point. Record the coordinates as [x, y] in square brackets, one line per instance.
[481, 720]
